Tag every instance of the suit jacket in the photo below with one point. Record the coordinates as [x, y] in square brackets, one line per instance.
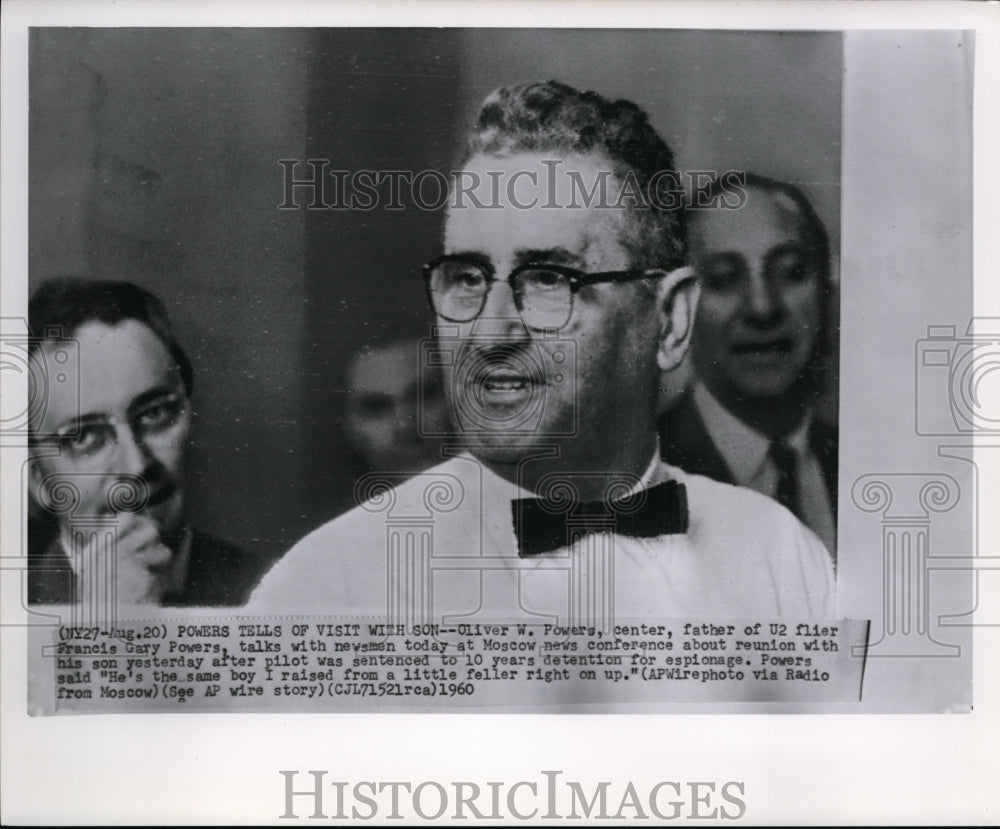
[219, 574]
[685, 442]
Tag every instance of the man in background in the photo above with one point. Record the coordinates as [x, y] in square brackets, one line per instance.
[397, 416]
[759, 351]
[108, 442]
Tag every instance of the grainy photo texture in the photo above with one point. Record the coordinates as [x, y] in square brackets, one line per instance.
[455, 369]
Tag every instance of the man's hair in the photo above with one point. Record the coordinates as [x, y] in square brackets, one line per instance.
[61, 306]
[553, 117]
[817, 243]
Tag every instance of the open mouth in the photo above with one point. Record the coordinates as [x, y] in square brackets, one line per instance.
[778, 346]
[502, 390]
[500, 379]
[503, 371]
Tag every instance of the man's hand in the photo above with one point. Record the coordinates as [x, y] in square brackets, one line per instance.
[142, 562]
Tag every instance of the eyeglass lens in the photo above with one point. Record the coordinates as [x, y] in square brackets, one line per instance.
[543, 296]
[91, 438]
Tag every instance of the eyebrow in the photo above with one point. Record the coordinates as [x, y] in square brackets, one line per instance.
[787, 247]
[73, 425]
[729, 257]
[474, 256]
[556, 255]
[736, 256]
[149, 396]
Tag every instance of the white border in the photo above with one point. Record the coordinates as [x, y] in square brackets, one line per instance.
[223, 768]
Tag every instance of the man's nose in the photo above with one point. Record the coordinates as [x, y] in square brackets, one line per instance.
[500, 317]
[131, 453]
[763, 302]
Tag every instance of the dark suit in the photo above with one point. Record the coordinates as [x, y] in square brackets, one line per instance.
[685, 442]
[219, 574]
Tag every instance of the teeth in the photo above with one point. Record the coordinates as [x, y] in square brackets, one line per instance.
[505, 385]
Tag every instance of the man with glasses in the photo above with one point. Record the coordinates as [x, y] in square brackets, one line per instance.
[109, 430]
[557, 302]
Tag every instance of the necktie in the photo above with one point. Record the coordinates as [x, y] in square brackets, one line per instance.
[544, 525]
[787, 491]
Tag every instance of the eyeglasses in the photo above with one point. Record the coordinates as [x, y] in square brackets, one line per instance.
[457, 288]
[89, 441]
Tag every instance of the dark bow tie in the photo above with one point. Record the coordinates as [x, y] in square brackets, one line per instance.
[543, 525]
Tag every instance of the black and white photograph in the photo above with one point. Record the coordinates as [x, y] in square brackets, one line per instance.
[356, 371]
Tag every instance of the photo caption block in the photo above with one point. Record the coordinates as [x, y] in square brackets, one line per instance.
[337, 664]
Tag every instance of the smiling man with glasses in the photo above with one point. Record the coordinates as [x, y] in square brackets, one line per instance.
[109, 436]
[561, 295]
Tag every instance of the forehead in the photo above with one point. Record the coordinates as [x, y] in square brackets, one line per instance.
[109, 367]
[765, 221]
[514, 218]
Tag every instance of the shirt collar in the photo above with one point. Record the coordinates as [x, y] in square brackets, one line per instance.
[502, 489]
[744, 449]
[655, 473]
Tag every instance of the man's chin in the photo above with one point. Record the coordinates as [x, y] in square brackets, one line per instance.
[764, 385]
[506, 449]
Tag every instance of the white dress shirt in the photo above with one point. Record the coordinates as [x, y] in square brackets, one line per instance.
[441, 546]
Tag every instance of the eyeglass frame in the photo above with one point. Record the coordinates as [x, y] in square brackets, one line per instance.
[141, 437]
[576, 278]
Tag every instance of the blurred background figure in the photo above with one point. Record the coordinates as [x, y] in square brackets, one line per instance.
[755, 414]
[397, 415]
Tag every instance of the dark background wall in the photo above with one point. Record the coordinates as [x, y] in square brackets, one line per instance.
[154, 158]
[378, 100]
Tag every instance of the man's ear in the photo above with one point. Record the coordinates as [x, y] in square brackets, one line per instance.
[676, 302]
